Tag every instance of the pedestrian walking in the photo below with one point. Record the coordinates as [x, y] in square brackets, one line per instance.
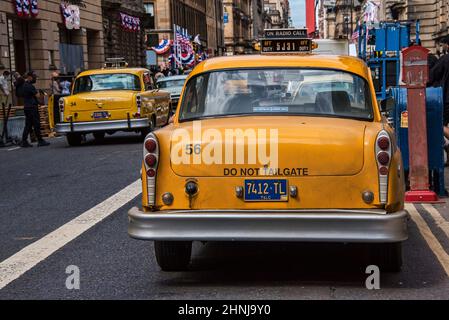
[65, 87]
[55, 85]
[5, 89]
[439, 74]
[159, 74]
[31, 110]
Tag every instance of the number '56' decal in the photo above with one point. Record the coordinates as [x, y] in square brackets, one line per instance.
[193, 149]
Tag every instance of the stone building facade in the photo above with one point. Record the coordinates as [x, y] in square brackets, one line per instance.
[326, 19]
[45, 44]
[279, 13]
[258, 18]
[120, 41]
[335, 17]
[432, 14]
[237, 30]
[247, 20]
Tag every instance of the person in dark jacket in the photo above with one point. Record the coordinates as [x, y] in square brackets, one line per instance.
[31, 110]
[432, 60]
[439, 75]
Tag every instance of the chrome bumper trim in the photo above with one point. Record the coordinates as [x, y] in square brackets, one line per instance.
[91, 126]
[271, 225]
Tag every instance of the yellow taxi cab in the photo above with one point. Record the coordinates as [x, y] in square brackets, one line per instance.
[246, 160]
[115, 98]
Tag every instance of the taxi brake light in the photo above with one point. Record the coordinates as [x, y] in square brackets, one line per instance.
[383, 143]
[383, 152]
[151, 173]
[151, 156]
[150, 160]
[383, 171]
[139, 105]
[383, 158]
[150, 145]
[61, 109]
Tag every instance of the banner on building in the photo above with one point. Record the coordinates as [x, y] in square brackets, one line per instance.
[26, 8]
[71, 16]
[130, 23]
[183, 54]
[371, 11]
[163, 47]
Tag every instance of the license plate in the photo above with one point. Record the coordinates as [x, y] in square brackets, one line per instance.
[101, 115]
[266, 190]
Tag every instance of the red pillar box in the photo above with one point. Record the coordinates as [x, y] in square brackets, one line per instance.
[415, 74]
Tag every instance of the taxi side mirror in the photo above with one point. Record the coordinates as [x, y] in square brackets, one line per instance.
[387, 105]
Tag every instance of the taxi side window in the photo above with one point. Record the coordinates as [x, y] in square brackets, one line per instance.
[148, 81]
[83, 84]
[193, 102]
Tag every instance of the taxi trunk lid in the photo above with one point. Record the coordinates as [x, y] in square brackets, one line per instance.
[103, 101]
[293, 146]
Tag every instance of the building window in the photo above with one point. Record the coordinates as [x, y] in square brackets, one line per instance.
[149, 19]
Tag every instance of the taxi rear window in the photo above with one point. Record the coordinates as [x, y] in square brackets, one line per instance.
[316, 92]
[105, 82]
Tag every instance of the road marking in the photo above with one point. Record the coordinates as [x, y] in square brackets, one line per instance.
[16, 265]
[442, 223]
[12, 149]
[428, 236]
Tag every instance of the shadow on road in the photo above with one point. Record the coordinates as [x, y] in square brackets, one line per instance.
[279, 264]
[109, 140]
[240, 264]
[114, 140]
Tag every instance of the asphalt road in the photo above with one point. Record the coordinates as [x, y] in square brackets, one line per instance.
[42, 189]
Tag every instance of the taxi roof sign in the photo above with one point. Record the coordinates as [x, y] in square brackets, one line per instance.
[286, 41]
[115, 63]
[280, 46]
[285, 34]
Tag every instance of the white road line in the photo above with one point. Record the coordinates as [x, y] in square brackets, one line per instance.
[428, 236]
[16, 265]
[442, 223]
[12, 149]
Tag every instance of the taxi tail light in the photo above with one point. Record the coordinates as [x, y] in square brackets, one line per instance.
[383, 158]
[139, 105]
[151, 162]
[61, 109]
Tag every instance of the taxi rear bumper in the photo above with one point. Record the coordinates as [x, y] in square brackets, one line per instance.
[363, 226]
[91, 126]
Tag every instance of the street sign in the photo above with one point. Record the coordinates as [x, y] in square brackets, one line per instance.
[285, 34]
[329, 3]
[286, 45]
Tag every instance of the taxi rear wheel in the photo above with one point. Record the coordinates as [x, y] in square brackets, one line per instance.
[173, 255]
[74, 139]
[387, 256]
[99, 136]
[146, 131]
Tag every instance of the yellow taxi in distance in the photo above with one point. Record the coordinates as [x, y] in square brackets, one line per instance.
[110, 100]
[251, 156]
